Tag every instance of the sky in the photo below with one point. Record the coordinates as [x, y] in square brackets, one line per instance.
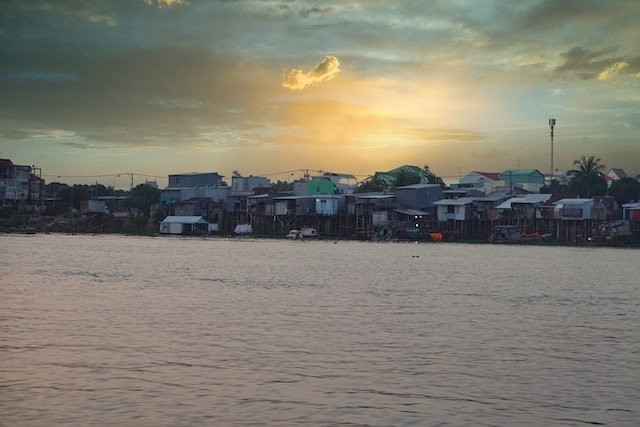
[170, 86]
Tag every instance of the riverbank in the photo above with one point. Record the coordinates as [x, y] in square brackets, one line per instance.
[634, 244]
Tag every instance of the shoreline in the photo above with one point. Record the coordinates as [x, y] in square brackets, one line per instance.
[335, 239]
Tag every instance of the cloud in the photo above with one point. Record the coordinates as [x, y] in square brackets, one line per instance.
[167, 3]
[584, 63]
[324, 71]
[611, 71]
[43, 76]
[600, 64]
[99, 11]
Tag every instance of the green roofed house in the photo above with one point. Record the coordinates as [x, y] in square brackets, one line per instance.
[320, 187]
[527, 179]
[389, 177]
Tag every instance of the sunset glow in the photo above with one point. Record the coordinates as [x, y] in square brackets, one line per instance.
[165, 86]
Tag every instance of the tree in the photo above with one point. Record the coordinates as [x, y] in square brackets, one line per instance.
[555, 188]
[372, 185]
[586, 179]
[142, 197]
[625, 190]
[433, 178]
[282, 186]
[404, 177]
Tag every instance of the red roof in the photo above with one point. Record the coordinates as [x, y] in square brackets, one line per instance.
[6, 162]
[491, 175]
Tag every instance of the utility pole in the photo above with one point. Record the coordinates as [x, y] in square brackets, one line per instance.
[519, 161]
[552, 123]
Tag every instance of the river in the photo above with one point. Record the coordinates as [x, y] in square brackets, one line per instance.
[100, 330]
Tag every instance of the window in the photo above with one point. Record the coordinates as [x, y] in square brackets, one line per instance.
[451, 209]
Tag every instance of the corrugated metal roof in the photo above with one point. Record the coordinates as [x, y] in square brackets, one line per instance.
[417, 186]
[452, 202]
[184, 220]
[491, 175]
[631, 205]
[376, 196]
[413, 212]
[527, 199]
[572, 201]
[519, 172]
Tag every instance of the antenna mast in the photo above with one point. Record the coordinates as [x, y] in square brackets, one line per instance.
[552, 123]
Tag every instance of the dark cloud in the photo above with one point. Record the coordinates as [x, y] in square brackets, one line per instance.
[97, 12]
[591, 64]
[141, 96]
[552, 14]
[83, 145]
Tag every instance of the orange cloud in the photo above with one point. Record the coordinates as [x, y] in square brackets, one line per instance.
[324, 71]
[611, 71]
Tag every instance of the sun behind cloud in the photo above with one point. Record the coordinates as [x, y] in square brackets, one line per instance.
[326, 70]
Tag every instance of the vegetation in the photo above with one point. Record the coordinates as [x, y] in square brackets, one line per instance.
[555, 188]
[402, 177]
[586, 179]
[74, 195]
[282, 186]
[373, 185]
[142, 197]
[625, 190]
[433, 178]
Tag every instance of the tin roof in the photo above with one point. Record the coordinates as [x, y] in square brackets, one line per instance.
[417, 186]
[412, 212]
[573, 201]
[455, 202]
[491, 175]
[527, 199]
[184, 220]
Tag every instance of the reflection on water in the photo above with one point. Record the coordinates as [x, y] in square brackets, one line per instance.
[145, 331]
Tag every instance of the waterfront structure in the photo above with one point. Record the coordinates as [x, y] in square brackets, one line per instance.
[418, 196]
[19, 184]
[247, 184]
[484, 208]
[314, 187]
[459, 209]
[94, 206]
[631, 212]
[616, 174]
[184, 225]
[327, 205]
[523, 207]
[195, 179]
[579, 209]
[345, 183]
[531, 180]
[486, 182]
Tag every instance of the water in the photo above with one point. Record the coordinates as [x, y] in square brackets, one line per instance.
[99, 330]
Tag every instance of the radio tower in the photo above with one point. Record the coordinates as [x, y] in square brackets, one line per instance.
[552, 123]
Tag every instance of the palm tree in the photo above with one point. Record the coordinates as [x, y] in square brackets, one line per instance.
[587, 179]
[587, 166]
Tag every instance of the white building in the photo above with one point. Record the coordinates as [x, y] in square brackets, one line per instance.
[247, 184]
[576, 209]
[486, 182]
[184, 225]
[459, 209]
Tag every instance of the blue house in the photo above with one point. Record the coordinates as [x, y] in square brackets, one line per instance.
[528, 179]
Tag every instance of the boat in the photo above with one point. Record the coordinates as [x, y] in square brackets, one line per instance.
[513, 234]
[305, 232]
